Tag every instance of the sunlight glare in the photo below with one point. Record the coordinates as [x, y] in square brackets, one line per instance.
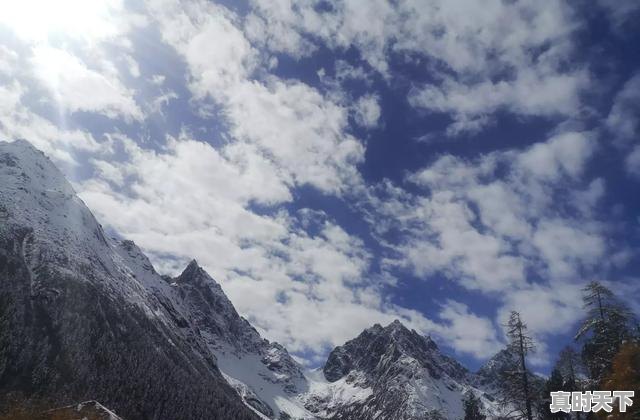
[37, 20]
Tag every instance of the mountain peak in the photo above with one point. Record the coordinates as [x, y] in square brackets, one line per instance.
[23, 150]
[392, 328]
[379, 346]
[192, 273]
[396, 325]
[398, 328]
[399, 333]
[23, 167]
[398, 364]
[23, 144]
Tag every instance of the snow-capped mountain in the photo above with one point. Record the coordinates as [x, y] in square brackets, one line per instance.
[406, 375]
[86, 317]
[491, 374]
[263, 373]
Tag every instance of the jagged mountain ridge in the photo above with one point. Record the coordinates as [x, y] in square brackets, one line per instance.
[170, 347]
[409, 376]
[80, 319]
[247, 361]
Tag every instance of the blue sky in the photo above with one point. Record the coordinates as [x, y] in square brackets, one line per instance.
[337, 164]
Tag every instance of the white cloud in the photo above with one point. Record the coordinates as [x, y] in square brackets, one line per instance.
[467, 332]
[556, 311]
[490, 222]
[345, 71]
[205, 34]
[513, 226]
[158, 79]
[17, 121]
[8, 61]
[484, 57]
[619, 12]
[75, 87]
[293, 124]
[278, 275]
[89, 21]
[367, 111]
[564, 154]
[567, 248]
[529, 94]
[632, 162]
[301, 130]
[446, 241]
[623, 120]
[272, 29]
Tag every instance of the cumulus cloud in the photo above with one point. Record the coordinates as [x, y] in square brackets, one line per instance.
[218, 54]
[619, 13]
[75, 52]
[367, 111]
[467, 332]
[632, 162]
[623, 123]
[483, 58]
[528, 94]
[302, 131]
[75, 87]
[486, 229]
[623, 120]
[509, 225]
[18, 121]
[276, 273]
[87, 22]
[558, 308]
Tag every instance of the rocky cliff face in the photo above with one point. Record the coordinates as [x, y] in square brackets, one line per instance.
[260, 371]
[407, 375]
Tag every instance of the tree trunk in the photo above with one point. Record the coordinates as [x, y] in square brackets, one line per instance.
[525, 379]
[600, 305]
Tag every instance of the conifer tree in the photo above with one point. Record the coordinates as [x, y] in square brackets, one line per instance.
[284, 416]
[571, 368]
[472, 407]
[606, 327]
[554, 383]
[520, 344]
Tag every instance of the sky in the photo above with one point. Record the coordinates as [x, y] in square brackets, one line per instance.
[335, 164]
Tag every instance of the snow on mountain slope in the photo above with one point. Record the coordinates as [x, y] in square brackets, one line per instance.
[86, 317]
[407, 375]
[56, 236]
[263, 373]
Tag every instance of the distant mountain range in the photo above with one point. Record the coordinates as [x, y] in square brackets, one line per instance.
[86, 317]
